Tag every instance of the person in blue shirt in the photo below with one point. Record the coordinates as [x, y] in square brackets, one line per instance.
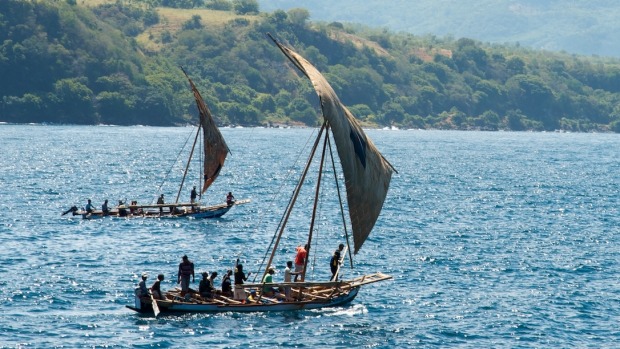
[144, 291]
[89, 207]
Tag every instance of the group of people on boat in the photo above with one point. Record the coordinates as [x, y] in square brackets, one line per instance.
[207, 289]
[123, 210]
[134, 209]
[154, 290]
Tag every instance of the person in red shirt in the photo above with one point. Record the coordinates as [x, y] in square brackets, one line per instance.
[300, 260]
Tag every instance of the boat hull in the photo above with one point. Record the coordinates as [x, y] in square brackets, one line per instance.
[313, 295]
[167, 211]
[167, 306]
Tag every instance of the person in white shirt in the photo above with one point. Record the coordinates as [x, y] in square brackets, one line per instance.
[288, 278]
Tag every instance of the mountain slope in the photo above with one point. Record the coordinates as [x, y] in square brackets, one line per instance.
[119, 64]
[582, 27]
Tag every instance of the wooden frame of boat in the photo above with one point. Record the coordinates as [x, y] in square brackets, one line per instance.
[181, 209]
[304, 296]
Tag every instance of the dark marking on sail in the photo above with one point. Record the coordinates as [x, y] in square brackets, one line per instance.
[359, 145]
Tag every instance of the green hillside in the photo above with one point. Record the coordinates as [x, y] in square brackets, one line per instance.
[581, 27]
[88, 62]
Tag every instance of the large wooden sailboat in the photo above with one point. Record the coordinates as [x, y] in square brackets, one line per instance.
[367, 176]
[215, 151]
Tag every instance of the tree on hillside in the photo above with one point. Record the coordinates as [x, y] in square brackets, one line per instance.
[193, 23]
[221, 5]
[244, 7]
[73, 100]
[298, 16]
[182, 3]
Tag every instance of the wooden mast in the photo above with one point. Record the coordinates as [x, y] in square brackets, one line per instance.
[316, 200]
[191, 154]
[289, 209]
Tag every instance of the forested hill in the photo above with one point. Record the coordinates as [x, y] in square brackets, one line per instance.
[117, 62]
[581, 27]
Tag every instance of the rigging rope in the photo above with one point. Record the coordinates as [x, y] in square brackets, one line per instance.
[291, 198]
[174, 163]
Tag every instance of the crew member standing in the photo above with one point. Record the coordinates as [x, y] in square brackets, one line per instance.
[300, 260]
[335, 262]
[186, 270]
[193, 195]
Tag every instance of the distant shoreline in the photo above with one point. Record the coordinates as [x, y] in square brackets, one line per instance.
[284, 126]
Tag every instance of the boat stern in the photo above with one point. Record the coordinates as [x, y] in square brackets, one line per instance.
[140, 305]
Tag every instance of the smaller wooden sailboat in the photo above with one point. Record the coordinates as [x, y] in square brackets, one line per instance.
[215, 151]
[367, 177]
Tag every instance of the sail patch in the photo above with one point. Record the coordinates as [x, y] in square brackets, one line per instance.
[359, 145]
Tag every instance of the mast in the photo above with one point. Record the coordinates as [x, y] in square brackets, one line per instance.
[316, 200]
[291, 204]
[189, 159]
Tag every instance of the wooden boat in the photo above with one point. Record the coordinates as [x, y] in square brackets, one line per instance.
[215, 152]
[176, 210]
[367, 176]
[306, 296]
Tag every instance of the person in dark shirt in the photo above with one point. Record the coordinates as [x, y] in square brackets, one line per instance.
[335, 262]
[160, 201]
[230, 199]
[205, 288]
[156, 288]
[186, 270]
[240, 277]
[193, 195]
[226, 284]
[104, 208]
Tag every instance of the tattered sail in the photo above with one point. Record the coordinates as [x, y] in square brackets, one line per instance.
[215, 148]
[367, 173]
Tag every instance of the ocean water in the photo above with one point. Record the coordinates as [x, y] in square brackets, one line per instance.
[493, 239]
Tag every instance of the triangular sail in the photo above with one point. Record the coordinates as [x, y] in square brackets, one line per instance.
[367, 174]
[215, 148]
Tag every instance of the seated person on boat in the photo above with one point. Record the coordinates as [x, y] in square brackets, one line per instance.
[268, 290]
[156, 288]
[226, 284]
[142, 290]
[206, 286]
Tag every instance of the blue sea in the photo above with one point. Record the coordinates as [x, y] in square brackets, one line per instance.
[493, 239]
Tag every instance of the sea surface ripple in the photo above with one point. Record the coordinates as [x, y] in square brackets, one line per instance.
[493, 239]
